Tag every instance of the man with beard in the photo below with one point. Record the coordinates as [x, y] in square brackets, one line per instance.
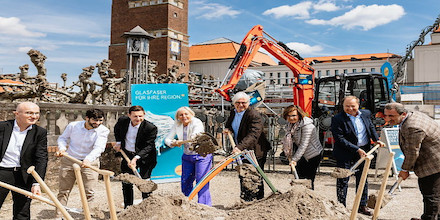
[85, 141]
[419, 139]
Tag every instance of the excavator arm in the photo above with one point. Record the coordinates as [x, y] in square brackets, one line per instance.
[303, 73]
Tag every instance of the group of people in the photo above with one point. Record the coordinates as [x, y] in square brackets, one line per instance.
[24, 144]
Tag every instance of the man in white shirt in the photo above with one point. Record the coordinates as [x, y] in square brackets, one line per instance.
[22, 144]
[86, 140]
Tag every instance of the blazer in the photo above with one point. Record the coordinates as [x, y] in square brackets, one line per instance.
[194, 127]
[345, 135]
[33, 151]
[250, 133]
[419, 139]
[145, 145]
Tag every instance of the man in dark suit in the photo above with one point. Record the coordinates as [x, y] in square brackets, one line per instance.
[136, 137]
[22, 144]
[247, 126]
[419, 139]
[353, 131]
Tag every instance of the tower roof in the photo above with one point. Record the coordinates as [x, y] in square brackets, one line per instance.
[138, 31]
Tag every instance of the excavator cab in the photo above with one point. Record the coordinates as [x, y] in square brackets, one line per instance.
[371, 89]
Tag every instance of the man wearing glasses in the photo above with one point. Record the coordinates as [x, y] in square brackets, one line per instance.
[247, 126]
[22, 144]
[419, 139]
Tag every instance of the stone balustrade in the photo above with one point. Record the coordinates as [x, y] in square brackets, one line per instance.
[55, 117]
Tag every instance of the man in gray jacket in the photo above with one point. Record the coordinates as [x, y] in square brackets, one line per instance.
[419, 139]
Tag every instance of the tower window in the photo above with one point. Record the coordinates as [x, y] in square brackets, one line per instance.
[175, 14]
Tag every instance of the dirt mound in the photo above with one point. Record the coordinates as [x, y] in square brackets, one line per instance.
[298, 203]
[170, 207]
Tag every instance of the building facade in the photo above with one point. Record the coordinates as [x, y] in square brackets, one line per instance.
[166, 20]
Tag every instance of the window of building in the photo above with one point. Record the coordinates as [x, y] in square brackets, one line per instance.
[319, 73]
[279, 78]
[363, 70]
[175, 14]
[345, 71]
[354, 70]
[327, 72]
[373, 69]
[336, 72]
[287, 77]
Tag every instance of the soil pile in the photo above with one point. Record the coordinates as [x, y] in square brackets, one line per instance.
[298, 203]
[143, 185]
[170, 207]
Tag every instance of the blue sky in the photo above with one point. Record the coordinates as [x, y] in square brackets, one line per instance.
[75, 34]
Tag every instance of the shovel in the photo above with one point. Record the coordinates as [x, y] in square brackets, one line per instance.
[34, 196]
[143, 185]
[204, 144]
[136, 173]
[305, 182]
[343, 173]
[106, 175]
[372, 199]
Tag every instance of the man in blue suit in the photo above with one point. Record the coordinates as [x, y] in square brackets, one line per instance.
[353, 131]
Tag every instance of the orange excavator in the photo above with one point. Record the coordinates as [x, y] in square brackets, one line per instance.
[303, 81]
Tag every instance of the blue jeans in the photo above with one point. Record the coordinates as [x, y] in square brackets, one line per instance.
[194, 167]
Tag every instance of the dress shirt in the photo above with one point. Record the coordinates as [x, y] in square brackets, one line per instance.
[130, 137]
[359, 127]
[12, 154]
[83, 143]
[236, 123]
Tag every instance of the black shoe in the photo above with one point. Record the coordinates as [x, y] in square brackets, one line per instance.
[416, 219]
[365, 210]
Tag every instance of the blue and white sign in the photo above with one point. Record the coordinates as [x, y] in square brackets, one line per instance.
[387, 71]
[160, 102]
[390, 136]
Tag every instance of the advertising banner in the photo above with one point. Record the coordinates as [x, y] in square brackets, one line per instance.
[160, 102]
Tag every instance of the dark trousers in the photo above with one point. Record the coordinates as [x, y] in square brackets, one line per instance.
[430, 188]
[246, 194]
[307, 169]
[342, 183]
[145, 169]
[22, 204]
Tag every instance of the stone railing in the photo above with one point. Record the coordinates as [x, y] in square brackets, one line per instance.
[55, 117]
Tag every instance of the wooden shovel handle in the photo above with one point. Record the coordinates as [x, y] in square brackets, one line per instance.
[31, 170]
[103, 172]
[294, 171]
[128, 164]
[231, 139]
[363, 158]
[26, 193]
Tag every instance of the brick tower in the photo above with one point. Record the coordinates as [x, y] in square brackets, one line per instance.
[167, 20]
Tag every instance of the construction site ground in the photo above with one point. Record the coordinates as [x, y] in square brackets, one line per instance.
[225, 190]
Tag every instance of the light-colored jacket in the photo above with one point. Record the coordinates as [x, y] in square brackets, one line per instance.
[305, 136]
[194, 127]
[419, 139]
